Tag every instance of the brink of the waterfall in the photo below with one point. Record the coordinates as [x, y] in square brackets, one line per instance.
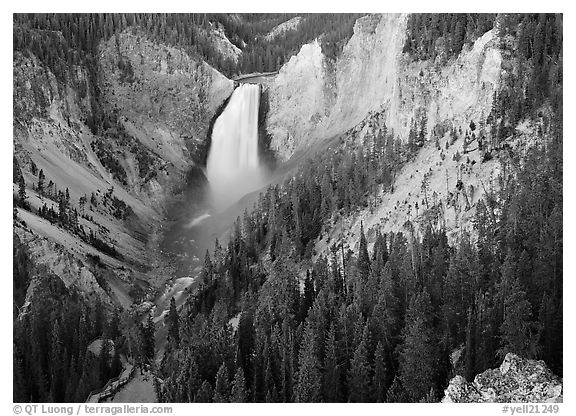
[233, 165]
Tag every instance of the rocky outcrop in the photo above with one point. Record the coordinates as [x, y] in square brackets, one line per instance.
[220, 42]
[372, 74]
[517, 380]
[165, 97]
[286, 26]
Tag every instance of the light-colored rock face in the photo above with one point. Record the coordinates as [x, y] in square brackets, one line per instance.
[221, 43]
[167, 99]
[286, 26]
[54, 258]
[517, 380]
[163, 98]
[368, 70]
[452, 94]
[298, 100]
[372, 74]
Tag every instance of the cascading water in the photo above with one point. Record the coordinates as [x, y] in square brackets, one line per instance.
[233, 166]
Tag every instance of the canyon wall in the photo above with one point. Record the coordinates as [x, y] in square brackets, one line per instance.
[158, 102]
[373, 75]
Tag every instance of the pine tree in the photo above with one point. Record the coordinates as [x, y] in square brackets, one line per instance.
[41, 179]
[147, 340]
[269, 384]
[379, 253]
[173, 326]
[287, 364]
[331, 376]
[221, 389]
[308, 387]
[18, 179]
[423, 130]
[246, 343]
[380, 377]
[239, 393]
[359, 376]
[191, 382]
[309, 295]
[470, 349]
[418, 357]
[363, 264]
[21, 189]
[204, 393]
[33, 168]
[396, 393]
[518, 332]
[57, 363]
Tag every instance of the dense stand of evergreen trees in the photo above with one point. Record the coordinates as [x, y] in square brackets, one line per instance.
[332, 30]
[534, 80]
[51, 359]
[444, 34]
[63, 40]
[381, 327]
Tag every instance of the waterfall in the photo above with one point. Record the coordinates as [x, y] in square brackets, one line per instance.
[233, 167]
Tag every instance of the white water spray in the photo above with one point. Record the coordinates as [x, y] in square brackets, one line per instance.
[233, 166]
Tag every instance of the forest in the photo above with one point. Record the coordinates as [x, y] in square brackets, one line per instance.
[444, 34]
[62, 40]
[52, 362]
[354, 325]
[371, 326]
[381, 325]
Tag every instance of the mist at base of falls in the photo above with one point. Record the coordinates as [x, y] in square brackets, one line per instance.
[233, 166]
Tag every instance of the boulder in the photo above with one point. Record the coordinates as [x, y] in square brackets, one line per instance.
[518, 380]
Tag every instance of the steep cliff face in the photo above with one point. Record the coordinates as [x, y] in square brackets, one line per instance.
[158, 103]
[368, 71]
[299, 100]
[449, 95]
[373, 75]
[164, 97]
[373, 85]
[516, 381]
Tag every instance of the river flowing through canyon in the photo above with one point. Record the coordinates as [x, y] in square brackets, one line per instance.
[235, 175]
